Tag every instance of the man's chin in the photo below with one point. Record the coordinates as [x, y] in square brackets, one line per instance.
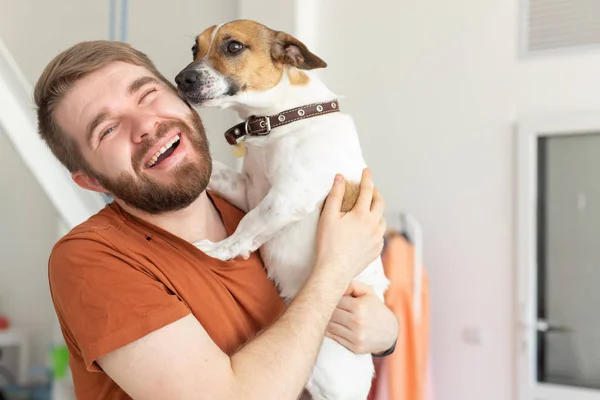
[158, 198]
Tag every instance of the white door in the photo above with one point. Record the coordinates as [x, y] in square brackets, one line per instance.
[559, 259]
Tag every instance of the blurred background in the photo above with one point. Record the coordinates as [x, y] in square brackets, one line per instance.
[479, 120]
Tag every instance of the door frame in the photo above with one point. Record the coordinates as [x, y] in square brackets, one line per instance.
[529, 130]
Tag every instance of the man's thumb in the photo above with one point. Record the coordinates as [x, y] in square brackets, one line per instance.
[358, 289]
[333, 203]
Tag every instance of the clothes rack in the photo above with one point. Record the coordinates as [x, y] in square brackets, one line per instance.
[411, 229]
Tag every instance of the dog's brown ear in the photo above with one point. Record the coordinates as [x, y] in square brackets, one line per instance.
[289, 50]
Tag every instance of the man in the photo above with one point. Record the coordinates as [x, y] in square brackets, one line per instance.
[145, 314]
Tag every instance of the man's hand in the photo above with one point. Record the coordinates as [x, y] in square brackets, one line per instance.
[362, 323]
[350, 241]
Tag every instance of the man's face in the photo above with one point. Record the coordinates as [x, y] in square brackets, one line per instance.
[142, 143]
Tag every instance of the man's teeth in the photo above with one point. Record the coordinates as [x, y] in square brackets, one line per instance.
[166, 147]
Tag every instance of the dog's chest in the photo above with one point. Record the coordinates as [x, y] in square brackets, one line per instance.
[267, 163]
[258, 170]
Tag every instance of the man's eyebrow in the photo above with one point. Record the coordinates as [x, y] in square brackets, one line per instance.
[94, 124]
[133, 87]
[139, 82]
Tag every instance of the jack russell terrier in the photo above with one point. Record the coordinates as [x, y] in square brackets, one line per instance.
[294, 140]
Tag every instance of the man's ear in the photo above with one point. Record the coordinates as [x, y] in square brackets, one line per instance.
[289, 50]
[87, 182]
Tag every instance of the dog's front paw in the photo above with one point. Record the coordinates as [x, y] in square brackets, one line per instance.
[213, 184]
[231, 248]
[225, 250]
[213, 249]
[206, 246]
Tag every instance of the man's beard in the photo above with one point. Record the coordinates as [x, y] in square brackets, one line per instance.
[191, 177]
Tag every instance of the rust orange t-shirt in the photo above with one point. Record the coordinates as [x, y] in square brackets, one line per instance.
[116, 278]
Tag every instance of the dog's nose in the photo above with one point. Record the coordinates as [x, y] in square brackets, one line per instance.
[186, 79]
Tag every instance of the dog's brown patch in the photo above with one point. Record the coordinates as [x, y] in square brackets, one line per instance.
[297, 77]
[259, 67]
[203, 41]
[350, 196]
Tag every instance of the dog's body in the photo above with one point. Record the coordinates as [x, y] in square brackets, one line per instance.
[285, 178]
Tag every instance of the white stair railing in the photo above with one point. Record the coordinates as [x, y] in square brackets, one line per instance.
[18, 122]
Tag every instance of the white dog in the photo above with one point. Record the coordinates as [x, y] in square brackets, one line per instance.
[296, 140]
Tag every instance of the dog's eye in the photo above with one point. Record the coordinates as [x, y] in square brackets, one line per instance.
[234, 47]
[195, 51]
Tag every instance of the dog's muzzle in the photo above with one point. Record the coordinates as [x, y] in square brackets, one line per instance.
[199, 83]
[188, 80]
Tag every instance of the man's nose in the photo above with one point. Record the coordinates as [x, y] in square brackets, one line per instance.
[144, 128]
[187, 80]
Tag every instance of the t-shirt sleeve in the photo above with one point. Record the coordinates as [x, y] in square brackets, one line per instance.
[104, 299]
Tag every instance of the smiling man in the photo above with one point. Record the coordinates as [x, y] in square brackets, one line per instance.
[144, 313]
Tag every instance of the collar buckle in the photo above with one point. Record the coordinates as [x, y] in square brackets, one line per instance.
[265, 125]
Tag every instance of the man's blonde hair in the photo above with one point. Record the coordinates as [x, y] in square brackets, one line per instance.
[58, 78]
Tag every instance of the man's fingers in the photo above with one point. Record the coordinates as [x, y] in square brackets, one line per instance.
[341, 317]
[365, 195]
[340, 340]
[345, 302]
[339, 330]
[378, 204]
[333, 203]
[358, 289]
[382, 227]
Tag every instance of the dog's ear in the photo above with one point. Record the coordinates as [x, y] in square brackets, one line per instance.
[289, 50]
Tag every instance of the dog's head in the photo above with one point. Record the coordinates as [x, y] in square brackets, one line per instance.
[242, 56]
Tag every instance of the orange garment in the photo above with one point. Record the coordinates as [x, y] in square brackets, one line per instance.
[115, 278]
[403, 374]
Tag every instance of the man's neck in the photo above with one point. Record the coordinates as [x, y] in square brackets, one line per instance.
[200, 220]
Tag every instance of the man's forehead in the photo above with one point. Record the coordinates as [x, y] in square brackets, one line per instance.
[117, 73]
[96, 91]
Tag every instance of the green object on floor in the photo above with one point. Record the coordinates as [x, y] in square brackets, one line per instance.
[59, 356]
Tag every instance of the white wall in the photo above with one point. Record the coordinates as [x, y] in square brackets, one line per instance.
[435, 88]
[35, 31]
[558, 82]
[275, 14]
[27, 233]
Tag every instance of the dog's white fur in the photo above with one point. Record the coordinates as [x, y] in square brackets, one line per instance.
[284, 181]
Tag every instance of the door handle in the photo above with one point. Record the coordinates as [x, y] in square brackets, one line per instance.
[544, 326]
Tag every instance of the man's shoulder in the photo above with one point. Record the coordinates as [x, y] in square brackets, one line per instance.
[96, 230]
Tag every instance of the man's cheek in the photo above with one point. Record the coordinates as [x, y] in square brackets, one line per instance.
[173, 104]
[116, 162]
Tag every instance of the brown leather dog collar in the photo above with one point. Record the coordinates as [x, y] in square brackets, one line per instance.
[262, 125]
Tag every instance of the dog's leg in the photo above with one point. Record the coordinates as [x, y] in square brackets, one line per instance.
[279, 208]
[229, 184]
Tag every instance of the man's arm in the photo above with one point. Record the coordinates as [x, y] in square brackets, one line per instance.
[180, 361]
[363, 323]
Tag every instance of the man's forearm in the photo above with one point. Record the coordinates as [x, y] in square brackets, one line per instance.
[277, 363]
